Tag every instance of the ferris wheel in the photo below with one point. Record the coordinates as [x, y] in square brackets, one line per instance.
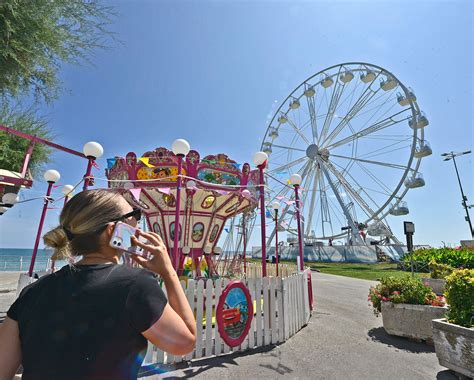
[355, 134]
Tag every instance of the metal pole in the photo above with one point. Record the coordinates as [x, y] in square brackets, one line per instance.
[88, 173]
[468, 218]
[298, 221]
[276, 239]
[262, 216]
[244, 231]
[176, 215]
[40, 228]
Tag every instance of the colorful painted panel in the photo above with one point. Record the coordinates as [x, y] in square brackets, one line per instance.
[169, 200]
[214, 232]
[208, 201]
[234, 313]
[198, 232]
[156, 228]
[172, 232]
[214, 176]
[167, 173]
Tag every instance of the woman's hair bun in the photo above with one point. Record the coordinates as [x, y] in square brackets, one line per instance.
[57, 239]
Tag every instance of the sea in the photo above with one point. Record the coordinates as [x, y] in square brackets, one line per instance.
[19, 259]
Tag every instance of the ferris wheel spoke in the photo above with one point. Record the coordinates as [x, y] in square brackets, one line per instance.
[343, 205]
[387, 122]
[289, 165]
[298, 131]
[374, 177]
[335, 97]
[312, 115]
[349, 189]
[386, 164]
[384, 150]
[362, 102]
[313, 198]
[288, 147]
[364, 190]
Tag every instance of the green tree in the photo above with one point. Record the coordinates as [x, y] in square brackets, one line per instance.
[13, 148]
[38, 36]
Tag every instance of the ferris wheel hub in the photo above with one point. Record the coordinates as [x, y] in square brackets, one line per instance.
[313, 151]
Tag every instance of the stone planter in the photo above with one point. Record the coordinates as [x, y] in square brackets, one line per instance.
[410, 321]
[454, 346]
[437, 284]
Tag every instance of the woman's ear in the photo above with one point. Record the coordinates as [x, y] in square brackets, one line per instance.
[109, 230]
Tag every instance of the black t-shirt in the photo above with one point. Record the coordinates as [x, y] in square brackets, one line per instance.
[85, 322]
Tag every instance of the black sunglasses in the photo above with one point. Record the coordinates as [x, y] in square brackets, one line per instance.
[136, 213]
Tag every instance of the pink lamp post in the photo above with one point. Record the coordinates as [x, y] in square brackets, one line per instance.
[51, 176]
[260, 160]
[276, 208]
[92, 150]
[296, 180]
[67, 191]
[180, 148]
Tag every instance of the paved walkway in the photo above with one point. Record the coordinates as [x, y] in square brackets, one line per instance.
[343, 340]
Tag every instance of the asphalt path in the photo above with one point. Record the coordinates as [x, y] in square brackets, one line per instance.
[343, 340]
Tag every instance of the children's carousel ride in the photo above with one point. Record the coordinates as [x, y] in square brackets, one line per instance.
[193, 211]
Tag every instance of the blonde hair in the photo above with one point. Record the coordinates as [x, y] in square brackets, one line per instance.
[81, 221]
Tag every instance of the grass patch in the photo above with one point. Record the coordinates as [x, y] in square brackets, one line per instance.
[372, 272]
[363, 271]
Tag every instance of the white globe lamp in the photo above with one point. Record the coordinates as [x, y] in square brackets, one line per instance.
[190, 185]
[218, 250]
[259, 158]
[9, 199]
[207, 249]
[276, 206]
[93, 150]
[246, 194]
[52, 176]
[67, 190]
[186, 250]
[296, 179]
[180, 147]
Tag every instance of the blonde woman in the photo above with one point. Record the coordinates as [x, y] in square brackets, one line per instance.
[92, 320]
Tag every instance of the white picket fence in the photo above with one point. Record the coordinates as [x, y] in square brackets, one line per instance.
[282, 309]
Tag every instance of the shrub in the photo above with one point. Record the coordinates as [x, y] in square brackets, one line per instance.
[459, 292]
[440, 271]
[405, 289]
[454, 257]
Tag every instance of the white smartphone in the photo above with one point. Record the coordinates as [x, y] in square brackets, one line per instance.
[122, 239]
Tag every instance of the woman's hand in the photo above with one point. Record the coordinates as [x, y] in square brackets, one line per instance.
[160, 263]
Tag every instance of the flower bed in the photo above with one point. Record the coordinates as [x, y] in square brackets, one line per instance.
[407, 306]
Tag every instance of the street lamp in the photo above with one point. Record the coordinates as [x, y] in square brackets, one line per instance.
[51, 176]
[276, 208]
[295, 180]
[92, 150]
[451, 156]
[260, 161]
[67, 191]
[180, 148]
[9, 199]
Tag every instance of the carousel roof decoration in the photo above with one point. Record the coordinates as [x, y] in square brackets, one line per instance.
[216, 189]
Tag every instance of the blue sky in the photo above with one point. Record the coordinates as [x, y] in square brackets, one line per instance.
[210, 72]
